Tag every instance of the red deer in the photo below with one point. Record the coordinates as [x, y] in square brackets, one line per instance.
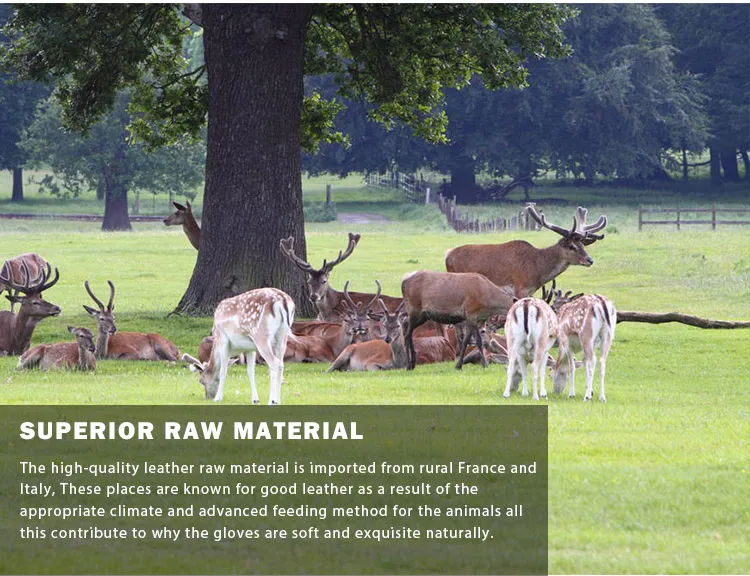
[329, 302]
[79, 354]
[35, 265]
[522, 266]
[584, 323]
[450, 298]
[16, 329]
[125, 345]
[298, 349]
[184, 217]
[530, 331]
[258, 321]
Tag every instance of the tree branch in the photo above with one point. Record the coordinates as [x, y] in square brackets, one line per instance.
[657, 318]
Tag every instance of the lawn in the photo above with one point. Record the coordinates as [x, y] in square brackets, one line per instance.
[651, 482]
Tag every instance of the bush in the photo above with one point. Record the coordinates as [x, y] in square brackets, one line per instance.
[320, 212]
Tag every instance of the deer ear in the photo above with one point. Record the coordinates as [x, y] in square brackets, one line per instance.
[178, 206]
[71, 329]
[90, 310]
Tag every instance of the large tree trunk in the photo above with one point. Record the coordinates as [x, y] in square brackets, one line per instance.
[254, 57]
[116, 209]
[464, 180]
[715, 167]
[17, 195]
[729, 163]
[746, 163]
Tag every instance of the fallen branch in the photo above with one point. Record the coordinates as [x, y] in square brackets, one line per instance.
[655, 318]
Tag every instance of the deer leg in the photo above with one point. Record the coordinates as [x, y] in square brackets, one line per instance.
[523, 369]
[468, 335]
[411, 354]
[590, 364]
[480, 345]
[223, 369]
[511, 374]
[604, 352]
[251, 376]
[572, 375]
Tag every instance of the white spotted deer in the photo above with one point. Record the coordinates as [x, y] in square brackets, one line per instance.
[183, 216]
[585, 322]
[77, 355]
[125, 345]
[258, 321]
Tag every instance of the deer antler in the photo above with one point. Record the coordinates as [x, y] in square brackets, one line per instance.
[98, 302]
[542, 221]
[374, 298]
[353, 240]
[586, 232]
[287, 247]
[548, 294]
[43, 284]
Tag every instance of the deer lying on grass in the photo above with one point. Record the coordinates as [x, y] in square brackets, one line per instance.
[256, 321]
[584, 323]
[16, 329]
[35, 265]
[522, 266]
[79, 354]
[530, 331]
[450, 298]
[390, 352]
[125, 345]
[330, 302]
[184, 217]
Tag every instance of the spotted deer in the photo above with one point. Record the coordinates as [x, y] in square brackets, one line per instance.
[524, 267]
[585, 322]
[183, 216]
[258, 321]
[67, 355]
[125, 345]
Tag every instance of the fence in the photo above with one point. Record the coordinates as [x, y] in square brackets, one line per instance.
[416, 189]
[679, 221]
[466, 223]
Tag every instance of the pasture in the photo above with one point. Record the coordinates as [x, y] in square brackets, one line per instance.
[651, 482]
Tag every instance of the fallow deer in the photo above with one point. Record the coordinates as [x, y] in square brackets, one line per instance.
[530, 331]
[16, 329]
[522, 266]
[450, 298]
[79, 354]
[184, 217]
[257, 321]
[125, 345]
[328, 301]
[584, 323]
[35, 264]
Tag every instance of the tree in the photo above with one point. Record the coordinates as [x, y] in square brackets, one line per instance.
[397, 56]
[105, 160]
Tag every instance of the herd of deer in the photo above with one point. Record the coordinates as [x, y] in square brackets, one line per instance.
[485, 287]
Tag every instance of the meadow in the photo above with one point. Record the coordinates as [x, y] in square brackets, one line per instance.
[651, 482]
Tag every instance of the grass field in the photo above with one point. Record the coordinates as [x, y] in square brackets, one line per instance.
[653, 481]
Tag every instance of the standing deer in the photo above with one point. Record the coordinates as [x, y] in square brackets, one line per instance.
[125, 345]
[584, 323]
[184, 217]
[16, 329]
[450, 298]
[78, 354]
[522, 266]
[256, 321]
[530, 331]
[329, 302]
[35, 265]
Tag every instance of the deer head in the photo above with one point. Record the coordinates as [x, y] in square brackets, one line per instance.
[182, 215]
[84, 337]
[358, 314]
[28, 293]
[105, 317]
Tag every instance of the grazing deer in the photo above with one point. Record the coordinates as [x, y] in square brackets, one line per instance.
[584, 323]
[450, 298]
[329, 302]
[522, 266]
[184, 217]
[35, 265]
[257, 321]
[79, 354]
[16, 329]
[530, 331]
[125, 345]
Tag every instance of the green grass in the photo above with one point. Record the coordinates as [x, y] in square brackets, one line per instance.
[653, 481]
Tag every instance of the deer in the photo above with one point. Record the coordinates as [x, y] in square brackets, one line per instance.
[258, 321]
[531, 329]
[298, 349]
[389, 352]
[329, 302]
[70, 355]
[524, 267]
[35, 264]
[16, 329]
[584, 322]
[451, 298]
[183, 216]
[125, 345]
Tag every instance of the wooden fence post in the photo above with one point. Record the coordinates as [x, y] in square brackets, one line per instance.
[640, 218]
[678, 217]
[328, 194]
[713, 216]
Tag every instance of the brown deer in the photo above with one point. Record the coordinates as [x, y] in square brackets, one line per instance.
[79, 354]
[125, 345]
[258, 321]
[584, 323]
[184, 217]
[298, 349]
[451, 298]
[35, 264]
[16, 329]
[329, 302]
[522, 266]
